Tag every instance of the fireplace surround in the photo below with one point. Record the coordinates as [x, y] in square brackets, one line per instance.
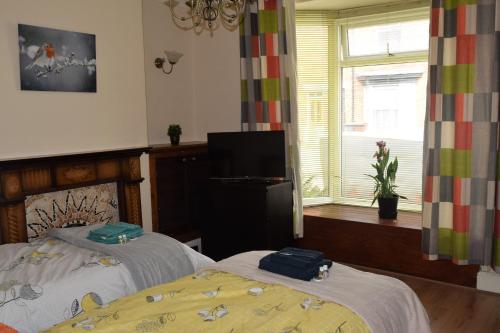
[20, 178]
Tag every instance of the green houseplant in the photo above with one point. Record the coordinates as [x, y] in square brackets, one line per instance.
[385, 183]
[174, 132]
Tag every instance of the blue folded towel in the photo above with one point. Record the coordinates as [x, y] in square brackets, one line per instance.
[295, 263]
[300, 258]
[110, 233]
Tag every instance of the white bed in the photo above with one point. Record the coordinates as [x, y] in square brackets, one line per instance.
[386, 304]
[49, 280]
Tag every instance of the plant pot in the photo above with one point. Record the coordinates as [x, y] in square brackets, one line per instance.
[388, 207]
[174, 139]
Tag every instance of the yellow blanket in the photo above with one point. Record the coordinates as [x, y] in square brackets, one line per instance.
[215, 301]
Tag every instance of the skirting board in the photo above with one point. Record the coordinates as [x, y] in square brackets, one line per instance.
[488, 280]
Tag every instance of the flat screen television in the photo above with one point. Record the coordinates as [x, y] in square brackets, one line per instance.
[247, 155]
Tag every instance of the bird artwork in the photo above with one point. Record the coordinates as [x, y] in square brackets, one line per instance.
[56, 60]
[45, 60]
[43, 57]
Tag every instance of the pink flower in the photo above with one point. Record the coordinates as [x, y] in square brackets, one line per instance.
[381, 144]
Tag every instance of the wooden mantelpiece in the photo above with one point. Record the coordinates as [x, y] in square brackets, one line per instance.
[23, 177]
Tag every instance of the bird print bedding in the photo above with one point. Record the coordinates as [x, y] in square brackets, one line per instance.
[217, 301]
[48, 281]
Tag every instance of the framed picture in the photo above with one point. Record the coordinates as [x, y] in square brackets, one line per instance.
[56, 60]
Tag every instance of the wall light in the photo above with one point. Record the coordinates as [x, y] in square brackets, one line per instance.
[172, 58]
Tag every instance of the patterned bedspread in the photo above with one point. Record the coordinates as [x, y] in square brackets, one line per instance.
[48, 281]
[216, 301]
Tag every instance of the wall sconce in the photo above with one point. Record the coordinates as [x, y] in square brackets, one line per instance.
[172, 58]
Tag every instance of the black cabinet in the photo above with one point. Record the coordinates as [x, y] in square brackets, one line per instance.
[179, 176]
[247, 215]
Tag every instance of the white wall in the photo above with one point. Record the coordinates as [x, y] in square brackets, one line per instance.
[169, 97]
[41, 123]
[217, 82]
[47, 123]
[203, 92]
[147, 218]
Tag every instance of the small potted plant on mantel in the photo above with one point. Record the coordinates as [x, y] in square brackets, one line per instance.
[174, 132]
[385, 183]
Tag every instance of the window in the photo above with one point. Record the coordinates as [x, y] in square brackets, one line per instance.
[397, 37]
[360, 80]
[313, 100]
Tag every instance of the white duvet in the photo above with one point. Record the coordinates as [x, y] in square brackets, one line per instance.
[386, 304]
[48, 281]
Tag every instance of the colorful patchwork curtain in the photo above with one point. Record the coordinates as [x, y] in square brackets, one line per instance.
[461, 211]
[268, 80]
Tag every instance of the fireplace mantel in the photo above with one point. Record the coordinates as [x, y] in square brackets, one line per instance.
[20, 178]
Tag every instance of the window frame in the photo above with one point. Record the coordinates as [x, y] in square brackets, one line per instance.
[409, 15]
[339, 60]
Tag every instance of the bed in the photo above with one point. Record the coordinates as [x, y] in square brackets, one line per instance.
[55, 278]
[234, 296]
[46, 279]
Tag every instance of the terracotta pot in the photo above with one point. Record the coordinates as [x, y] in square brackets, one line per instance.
[388, 208]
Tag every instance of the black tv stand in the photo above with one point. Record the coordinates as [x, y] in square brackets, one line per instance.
[247, 214]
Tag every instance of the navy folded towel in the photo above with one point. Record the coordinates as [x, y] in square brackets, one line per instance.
[295, 263]
[296, 257]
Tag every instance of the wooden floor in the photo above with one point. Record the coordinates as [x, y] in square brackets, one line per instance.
[452, 308]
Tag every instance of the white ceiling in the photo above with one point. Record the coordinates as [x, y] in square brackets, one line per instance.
[340, 4]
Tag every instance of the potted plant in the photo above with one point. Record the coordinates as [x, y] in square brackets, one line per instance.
[385, 179]
[174, 132]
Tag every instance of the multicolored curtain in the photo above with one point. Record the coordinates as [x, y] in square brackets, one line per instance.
[461, 211]
[268, 80]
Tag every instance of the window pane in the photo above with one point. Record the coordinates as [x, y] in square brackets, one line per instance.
[312, 70]
[396, 37]
[383, 102]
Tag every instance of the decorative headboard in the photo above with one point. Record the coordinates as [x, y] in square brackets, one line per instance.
[26, 177]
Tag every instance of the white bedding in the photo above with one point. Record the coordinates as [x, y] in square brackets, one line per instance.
[48, 281]
[386, 304]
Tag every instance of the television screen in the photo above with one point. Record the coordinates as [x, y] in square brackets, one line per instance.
[247, 154]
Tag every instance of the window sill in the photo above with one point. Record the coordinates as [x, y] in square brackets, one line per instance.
[407, 220]
[321, 201]
[311, 202]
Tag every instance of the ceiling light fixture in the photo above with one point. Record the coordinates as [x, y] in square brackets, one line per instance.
[205, 13]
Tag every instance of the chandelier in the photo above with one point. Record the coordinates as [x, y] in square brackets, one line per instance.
[205, 13]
